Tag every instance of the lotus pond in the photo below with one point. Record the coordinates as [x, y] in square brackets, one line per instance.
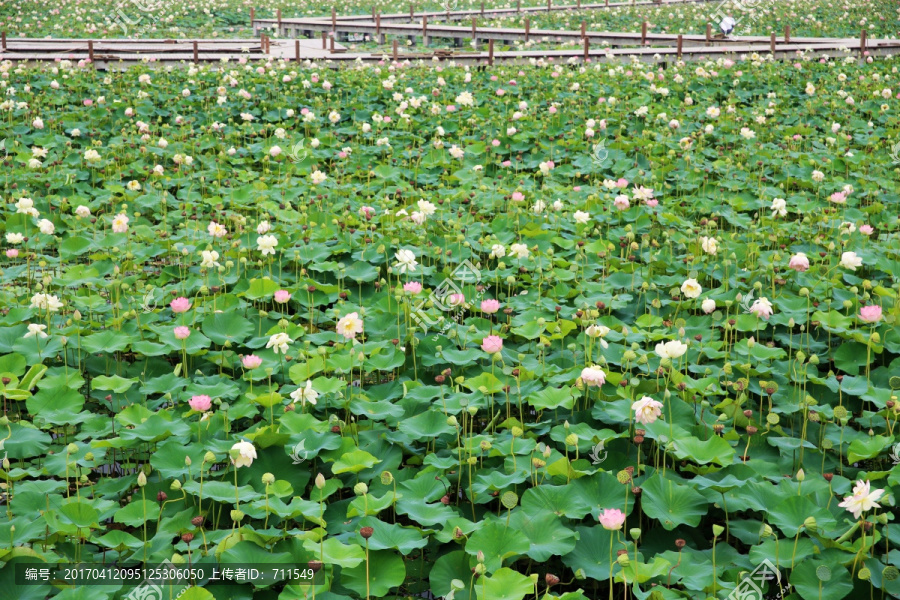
[575, 331]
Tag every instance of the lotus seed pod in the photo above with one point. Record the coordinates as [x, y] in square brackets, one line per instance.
[141, 479]
[840, 413]
[386, 478]
[517, 432]
[623, 560]
[623, 477]
[813, 359]
[71, 448]
[237, 516]
[472, 460]
[800, 356]
[571, 440]
[176, 485]
[865, 574]
[629, 355]
[451, 421]
[890, 573]
[772, 419]
[320, 481]
[827, 444]
[509, 500]
[823, 573]
[635, 533]
[209, 457]
[580, 574]
[485, 445]
[89, 456]
[717, 530]
[268, 479]
[360, 489]
[538, 463]
[480, 569]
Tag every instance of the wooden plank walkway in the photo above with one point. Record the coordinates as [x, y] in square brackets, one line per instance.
[306, 27]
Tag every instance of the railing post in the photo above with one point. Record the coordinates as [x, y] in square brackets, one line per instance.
[91, 50]
[862, 42]
[549, 5]
[324, 41]
[278, 16]
[332, 44]
[680, 43]
[583, 28]
[644, 33]
[518, 6]
[527, 29]
[587, 48]
[424, 28]
[394, 49]
[708, 31]
[474, 21]
[297, 49]
[252, 15]
[3, 45]
[491, 52]
[482, 10]
[787, 34]
[772, 44]
[333, 20]
[378, 25]
[196, 54]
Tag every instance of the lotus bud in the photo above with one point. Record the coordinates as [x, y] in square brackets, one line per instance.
[141, 479]
[810, 524]
[320, 481]
[187, 461]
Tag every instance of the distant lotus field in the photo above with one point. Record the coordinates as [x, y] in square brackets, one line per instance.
[566, 332]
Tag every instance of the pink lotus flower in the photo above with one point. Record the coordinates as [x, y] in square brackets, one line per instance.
[492, 344]
[866, 229]
[518, 196]
[621, 202]
[200, 403]
[88, 102]
[762, 308]
[799, 262]
[622, 183]
[282, 296]
[838, 197]
[251, 361]
[12, 253]
[612, 519]
[646, 410]
[652, 202]
[180, 305]
[490, 306]
[457, 299]
[593, 376]
[870, 314]
[495, 143]
[413, 287]
[182, 332]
